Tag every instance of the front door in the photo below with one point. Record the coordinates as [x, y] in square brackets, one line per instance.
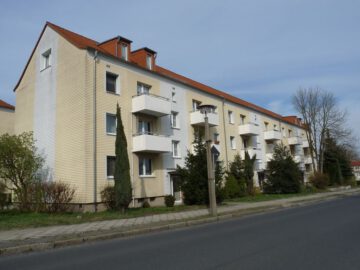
[175, 188]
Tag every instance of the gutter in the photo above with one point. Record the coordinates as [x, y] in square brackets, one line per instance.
[95, 133]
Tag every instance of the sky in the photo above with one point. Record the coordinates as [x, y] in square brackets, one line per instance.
[262, 51]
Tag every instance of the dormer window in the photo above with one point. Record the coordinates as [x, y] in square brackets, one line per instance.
[124, 51]
[149, 61]
[46, 59]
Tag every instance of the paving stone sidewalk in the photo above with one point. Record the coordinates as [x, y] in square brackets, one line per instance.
[38, 234]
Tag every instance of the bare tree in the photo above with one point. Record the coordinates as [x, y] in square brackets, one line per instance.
[321, 116]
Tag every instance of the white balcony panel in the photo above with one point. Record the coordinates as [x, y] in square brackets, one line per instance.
[305, 144]
[269, 156]
[197, 118]
[307, 160]
[152, 105]
[151, 143]
[297, 158]
[249, 129]
[251, 152]
[272, 135]
[294, 140]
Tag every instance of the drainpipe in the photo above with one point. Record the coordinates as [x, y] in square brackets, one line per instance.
[95, 133]
[226, 150]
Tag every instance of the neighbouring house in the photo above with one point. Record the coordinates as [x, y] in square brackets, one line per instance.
[67, 95]
[355, 165]
[7, 117]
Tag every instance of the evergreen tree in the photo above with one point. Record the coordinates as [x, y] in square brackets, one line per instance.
[284, 175]
[249, 163]
[236, 172]
[194, 176]
[123, 191]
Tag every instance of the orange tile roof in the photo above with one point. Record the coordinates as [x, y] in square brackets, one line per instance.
[355, 163]
[5, 105]
[85, 43]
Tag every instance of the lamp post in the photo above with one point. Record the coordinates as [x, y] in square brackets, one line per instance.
[205, 109]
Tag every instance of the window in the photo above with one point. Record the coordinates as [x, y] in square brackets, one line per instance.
[176, 148]
[145, 166]
[231, 117]
[266, 125]
[144, 127]
[173, 98]
[195, 105]
[149, 61]
[174, 120]
[216, 138]
[143, 89]
[242, 119]
[232, 142]
[124, 51]
[110, 166]
[275, 127]
[46, 59]
[111, 124]
[290, 133]
[111, 83]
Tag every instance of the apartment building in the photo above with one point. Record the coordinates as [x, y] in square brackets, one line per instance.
[67, 95]
[7, 117]
[355, 165]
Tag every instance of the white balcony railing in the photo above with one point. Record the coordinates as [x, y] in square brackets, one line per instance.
[197, 118]
[151, 104]
[294, 140]
[249, 129]
[298, 159]
[305, 144]
[151, 143]
[272, 135]
[252, 152]
[307, 160]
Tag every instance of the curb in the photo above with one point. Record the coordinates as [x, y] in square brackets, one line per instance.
[32, 247]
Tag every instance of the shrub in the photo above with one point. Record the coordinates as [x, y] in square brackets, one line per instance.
[232, 188]
[283, 174]
[169, 200]
[57, 196]
[108, 197]
[146, 204]
[4, 198]
[319, 180]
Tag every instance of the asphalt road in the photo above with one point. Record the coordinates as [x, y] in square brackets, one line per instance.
[321, 236]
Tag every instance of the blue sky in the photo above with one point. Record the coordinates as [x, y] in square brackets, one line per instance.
[261, 51]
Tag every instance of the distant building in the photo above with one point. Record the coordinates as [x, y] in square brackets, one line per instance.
[7, 117]
[355, 165]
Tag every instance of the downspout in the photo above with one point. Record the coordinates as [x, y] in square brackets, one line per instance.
[95, 133]
[226, 149]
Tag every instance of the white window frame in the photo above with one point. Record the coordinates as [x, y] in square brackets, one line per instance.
[176, 114]
[176, 148]
[46, 59]
[124, 51]
[106, 127]
[142, 86]
[149, 61]
[216, 137]
[110, 177]
[117, 83]
[232, 142]
[144, 167]
[231, 117]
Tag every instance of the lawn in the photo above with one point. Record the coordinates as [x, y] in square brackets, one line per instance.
[13, 219]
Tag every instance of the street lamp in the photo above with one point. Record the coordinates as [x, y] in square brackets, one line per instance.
[205, 109]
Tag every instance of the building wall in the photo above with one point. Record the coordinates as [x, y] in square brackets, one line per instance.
[7, 121]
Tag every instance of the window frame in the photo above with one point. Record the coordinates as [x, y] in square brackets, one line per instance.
[149, 63]
[110, 177]
[232, 142]
[124, 48]
[117, 83]
[106, 122]
[46, 59]
[143, 168]
[176, 114]
[176, 145]
[231, 117]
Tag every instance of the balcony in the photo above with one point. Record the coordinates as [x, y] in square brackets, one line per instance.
[249, 129]
[272, 135]
[294, 140]
[197, 118]
[151, 143]
[252, 152]
[305, 144]
[151, 104]
[297, 158]
[307, 160]
[269, 156]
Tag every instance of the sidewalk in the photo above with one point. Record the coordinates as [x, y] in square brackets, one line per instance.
[15, 241]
